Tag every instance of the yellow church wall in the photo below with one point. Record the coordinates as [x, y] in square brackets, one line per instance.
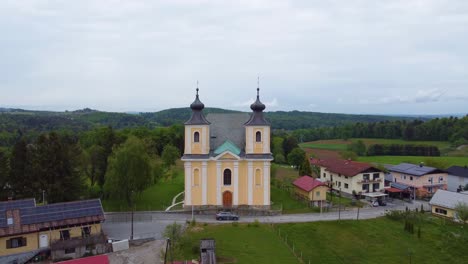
[196, 146]
[211, 183]
[196, 183]
[243, 183]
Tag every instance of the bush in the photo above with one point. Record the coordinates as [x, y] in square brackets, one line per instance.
[395, 215]
[256, 223]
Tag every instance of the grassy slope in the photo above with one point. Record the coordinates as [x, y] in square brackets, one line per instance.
[339, 144]
[245, 244]
[450, 161]
[367, 241]
[157, 197]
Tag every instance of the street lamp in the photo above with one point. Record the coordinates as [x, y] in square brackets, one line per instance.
[131, 199]
[43, 196]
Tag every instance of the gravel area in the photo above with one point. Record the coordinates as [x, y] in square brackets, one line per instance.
[147, 253]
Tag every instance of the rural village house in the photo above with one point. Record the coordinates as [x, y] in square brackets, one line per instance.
[443, 203]
[227, 159]
[422, 181]
[457, 178]
[311, 189]
[349, 176]
[66, 230]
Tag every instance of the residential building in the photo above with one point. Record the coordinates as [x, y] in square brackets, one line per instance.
[348, 176]
[311, 189]
[457, 178]
[423, 181]
[227, 159]
[443, 203]
[60, 230]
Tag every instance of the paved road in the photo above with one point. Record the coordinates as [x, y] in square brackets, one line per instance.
[152, 224]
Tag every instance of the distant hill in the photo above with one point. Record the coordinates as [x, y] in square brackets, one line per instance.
[40, 121]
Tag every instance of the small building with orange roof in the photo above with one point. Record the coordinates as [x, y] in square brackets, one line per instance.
[310, 189]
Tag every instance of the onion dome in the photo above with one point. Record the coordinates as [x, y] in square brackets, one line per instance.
[197, 117]
[257, 118]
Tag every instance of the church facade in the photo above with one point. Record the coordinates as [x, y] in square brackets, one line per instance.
[227, 158]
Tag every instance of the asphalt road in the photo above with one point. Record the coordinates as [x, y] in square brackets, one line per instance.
[152, 224]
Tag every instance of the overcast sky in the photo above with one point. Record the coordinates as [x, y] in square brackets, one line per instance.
[376, 57]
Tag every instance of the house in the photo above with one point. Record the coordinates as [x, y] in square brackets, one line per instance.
[443, 203]
[61, 230]
[349, 176]
[311, 189]
[422, 180]
[457, 178]
[227, 159]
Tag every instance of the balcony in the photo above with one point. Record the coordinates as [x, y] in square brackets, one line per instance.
[78, 241]
[370, 180]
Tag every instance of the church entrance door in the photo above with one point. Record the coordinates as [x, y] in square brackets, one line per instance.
[227, 199]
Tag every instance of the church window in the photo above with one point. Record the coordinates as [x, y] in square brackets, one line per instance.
[196, 177]
[258, 177]
[258, 136]
[196, 137]
[227, 177]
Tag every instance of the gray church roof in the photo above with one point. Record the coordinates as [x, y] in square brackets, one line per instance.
[228, 126]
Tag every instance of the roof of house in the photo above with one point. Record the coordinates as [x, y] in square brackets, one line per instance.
[413, 169]
[227, 126]
[399, 185]
[345, 167]
[34, 218]
[448, 199]
[458, 171]
[307, 183]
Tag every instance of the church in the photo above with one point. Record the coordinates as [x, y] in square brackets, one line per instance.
[227, 158]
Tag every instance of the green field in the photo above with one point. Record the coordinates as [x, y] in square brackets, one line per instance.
[367, 241]
[449, 161]
[157, 197]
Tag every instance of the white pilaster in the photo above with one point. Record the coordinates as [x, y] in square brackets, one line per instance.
[250, 182]
[188, 140]
[266, 140]
[218, 183]
[204, 182]
[203, 139]
[188, 182]
[236, 183]
[249, 139]
[266, 183]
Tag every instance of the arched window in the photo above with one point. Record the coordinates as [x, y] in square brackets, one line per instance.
[196, 177]
[196, 137]
[258, 177]
[258, 136]
[227, 177]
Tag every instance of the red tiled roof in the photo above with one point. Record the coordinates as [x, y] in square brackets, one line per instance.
[101, 259]
[345, 167]
[307, 183]
[393, 190]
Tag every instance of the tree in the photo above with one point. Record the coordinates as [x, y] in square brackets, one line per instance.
[289, 144]
[4, 172]
[169, 155]
[129, 170]
[305, 168]
[21, 180]
[349, 155]
[462, 212]
[279, 158]
[95, 163]
[296, 157]
[358, 147]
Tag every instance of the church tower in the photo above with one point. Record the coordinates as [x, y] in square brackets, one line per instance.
[257, 130]
[197, 131]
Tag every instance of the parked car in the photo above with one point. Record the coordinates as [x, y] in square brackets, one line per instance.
[226, 216]
[375, 203]
[382, 202]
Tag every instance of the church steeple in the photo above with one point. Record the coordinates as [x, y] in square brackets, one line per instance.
[257, 118]
[197, 117]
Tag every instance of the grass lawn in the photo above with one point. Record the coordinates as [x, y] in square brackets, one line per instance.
[157, 197]
[339, 144]
[366, 241]
[240, 243]
[450, 161]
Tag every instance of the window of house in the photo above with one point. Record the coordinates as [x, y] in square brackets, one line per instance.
[376, 175]
[9, 221]
[346, 186]
[376, 186]
[441, 179]
[404, 177]
[196, 137]
[69, 250]
[441, 211]
[429, 189]
[317, 194]
[65, 234]
[258, 136]
[430, 179]
[339, 184]
[196, 177]
[365, 187]
[365, 176]
[85, 231]
[258, 177]
[324, 175]
[227, 177]
[411, 178]
[16, 242]
[346, 177]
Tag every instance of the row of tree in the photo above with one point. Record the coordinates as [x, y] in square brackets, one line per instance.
[402, 150]
[451, 129]
[65, 167]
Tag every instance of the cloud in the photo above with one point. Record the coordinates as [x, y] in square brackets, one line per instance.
[421, 96]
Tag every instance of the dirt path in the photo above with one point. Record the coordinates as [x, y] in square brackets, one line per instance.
[147, 253]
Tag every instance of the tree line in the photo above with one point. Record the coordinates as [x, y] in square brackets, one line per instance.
[451, 129]
[101, 162]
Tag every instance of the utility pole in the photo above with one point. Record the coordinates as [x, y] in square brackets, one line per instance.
[339, 206]
[43, 197]
[131, 235]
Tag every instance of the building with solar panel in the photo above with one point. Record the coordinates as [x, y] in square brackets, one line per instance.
[59, 231]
